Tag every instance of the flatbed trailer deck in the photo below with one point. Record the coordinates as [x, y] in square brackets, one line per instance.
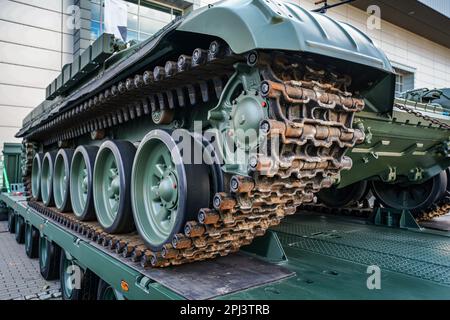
[309, 256]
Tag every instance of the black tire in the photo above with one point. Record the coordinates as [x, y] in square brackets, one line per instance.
[20, 229]
[344, 197]
[31, 241]
[90, 285]
[61, 193]
[87, 284]
[11, 221]
[123, 152]
[49, 258]
[64, 264]
[87, 154]
[447, 172]
[431, 190]
[105, 291]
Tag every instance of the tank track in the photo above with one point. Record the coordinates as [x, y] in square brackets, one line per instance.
[28, 150]
[441, 208]
[311, 117]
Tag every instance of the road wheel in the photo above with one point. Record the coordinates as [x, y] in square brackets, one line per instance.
[413, 197]
[168, 190]
[81, 187]
[112, 178]
[36, 170]
[61, 179]
[48, 165]
[343, 197]
[49, 257]
[31, 241]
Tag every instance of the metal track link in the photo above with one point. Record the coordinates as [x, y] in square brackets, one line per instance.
[28, 150]
[437, 210]
[310, 122]
[190, 81]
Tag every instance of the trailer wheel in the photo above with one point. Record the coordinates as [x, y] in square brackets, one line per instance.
[90, 285]
[81, 187]
[31, 241]
[11, 221]
[107, 292]
[112, 178]
[20, 229]
[70, 275]
[76, 283]
[49, 256]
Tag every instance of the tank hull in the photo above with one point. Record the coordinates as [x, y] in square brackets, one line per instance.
[282, 116]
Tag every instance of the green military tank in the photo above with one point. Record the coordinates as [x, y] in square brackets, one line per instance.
[404, 165]
[278, 103]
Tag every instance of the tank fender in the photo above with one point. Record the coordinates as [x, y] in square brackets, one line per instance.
[268, 24]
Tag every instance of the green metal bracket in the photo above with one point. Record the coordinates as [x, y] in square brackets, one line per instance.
[268, 247]
[393, 218]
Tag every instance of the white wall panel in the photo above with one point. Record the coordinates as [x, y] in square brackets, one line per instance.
[26, 76]
[30, 36]
[12, 116]
[29, 15]
[20, 96]
[29, 56]
[7, 135]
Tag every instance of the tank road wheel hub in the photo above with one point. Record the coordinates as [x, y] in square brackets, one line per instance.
[113, 187]
[166, 189]
[85, 182]
[163, 188]
[82, 193]
[107, 182]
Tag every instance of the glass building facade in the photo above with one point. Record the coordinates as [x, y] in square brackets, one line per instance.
[145, 18]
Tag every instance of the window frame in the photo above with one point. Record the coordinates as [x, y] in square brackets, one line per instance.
[174, 13]
[400, 78]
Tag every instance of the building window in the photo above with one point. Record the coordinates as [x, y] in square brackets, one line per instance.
[404, 81]
[145, 18]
